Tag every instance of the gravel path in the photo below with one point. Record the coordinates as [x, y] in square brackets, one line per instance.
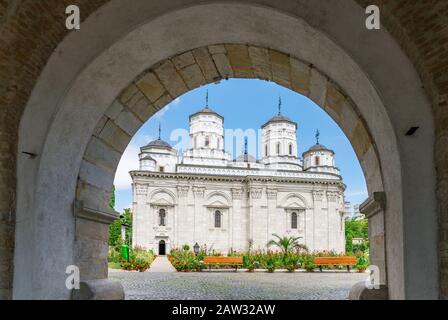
[236, 285]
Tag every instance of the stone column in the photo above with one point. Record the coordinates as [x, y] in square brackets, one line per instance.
[182, 209]
[199, 213]
[271, 194]
[373, 208]
[257, 218]
[91, 251]
[141, 216]
[320, 234]
[239, 226]
[333, 221]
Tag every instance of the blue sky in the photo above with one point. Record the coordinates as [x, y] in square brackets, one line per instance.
[246, 104]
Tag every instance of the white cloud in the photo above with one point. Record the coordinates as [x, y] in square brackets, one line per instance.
[159, 115]
[129, 161]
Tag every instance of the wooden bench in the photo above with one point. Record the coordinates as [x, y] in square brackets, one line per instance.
[335, 261]
[223, 261]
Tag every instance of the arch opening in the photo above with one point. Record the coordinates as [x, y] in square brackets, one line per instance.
[367, 124]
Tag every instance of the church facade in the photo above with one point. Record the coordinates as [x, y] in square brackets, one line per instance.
[204, 196]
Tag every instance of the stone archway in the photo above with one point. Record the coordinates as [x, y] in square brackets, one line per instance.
[87, 129]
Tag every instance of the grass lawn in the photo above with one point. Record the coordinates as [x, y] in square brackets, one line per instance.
[114, 265]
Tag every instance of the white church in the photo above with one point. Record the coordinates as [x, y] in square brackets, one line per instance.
[204, 196]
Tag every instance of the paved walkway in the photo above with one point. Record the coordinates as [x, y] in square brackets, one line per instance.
[161, 264]
[236, 285]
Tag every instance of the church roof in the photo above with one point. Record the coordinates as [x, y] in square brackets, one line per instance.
[318, 147]
[246, 158]
[207, 110]
[279, 118]
[159, 143]
[147, 157]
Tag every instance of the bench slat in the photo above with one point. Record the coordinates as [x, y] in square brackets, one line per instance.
[349, 260]
[223, 260]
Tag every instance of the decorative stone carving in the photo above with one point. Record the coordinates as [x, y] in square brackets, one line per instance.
[199, 192]
[141, 189]
[182, 191]
[333, 196]
[256, 193]
[271, 193]
[318, 195]
[237, 193]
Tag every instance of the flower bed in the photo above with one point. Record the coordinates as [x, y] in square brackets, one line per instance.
[186, 261]
[140, 259]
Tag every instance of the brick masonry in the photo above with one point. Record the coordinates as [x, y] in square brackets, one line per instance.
[30, 31]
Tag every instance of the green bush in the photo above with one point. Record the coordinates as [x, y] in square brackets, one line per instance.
[185, 260]
[139, 260]
[307, 262]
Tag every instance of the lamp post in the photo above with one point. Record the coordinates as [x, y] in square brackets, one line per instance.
[196, 248]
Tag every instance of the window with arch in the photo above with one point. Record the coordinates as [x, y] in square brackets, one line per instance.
[290, 149]
[266, 150]
[294, 220]
[218, 218]
[207, 141]
[317, 161]
[278, 148]
[162, 217]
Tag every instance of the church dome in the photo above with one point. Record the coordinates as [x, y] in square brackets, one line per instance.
[207, 110]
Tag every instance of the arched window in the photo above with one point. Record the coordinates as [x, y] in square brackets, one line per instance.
[266, 150]
[162, 217]
[278, 148]
[293, 220]
[218, 219]
[207, 141]
[290, 149]
[317, 161]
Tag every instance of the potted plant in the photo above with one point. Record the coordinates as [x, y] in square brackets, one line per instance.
[362, 261]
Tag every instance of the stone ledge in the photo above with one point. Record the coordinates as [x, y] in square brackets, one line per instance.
[360, 292]
[102, 289]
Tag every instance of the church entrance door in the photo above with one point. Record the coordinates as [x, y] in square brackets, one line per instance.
[162, 248]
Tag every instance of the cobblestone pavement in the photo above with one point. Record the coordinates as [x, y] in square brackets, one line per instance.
[236, 286]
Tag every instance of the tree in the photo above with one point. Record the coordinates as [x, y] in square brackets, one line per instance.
[356, 229]
[285, 244]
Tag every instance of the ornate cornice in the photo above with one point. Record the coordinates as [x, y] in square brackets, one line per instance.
[376, 203]
[246, 179]
[106, 215]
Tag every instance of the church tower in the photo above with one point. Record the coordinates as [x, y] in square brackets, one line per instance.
[279, 140]
[319, 158]
[206, 138]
